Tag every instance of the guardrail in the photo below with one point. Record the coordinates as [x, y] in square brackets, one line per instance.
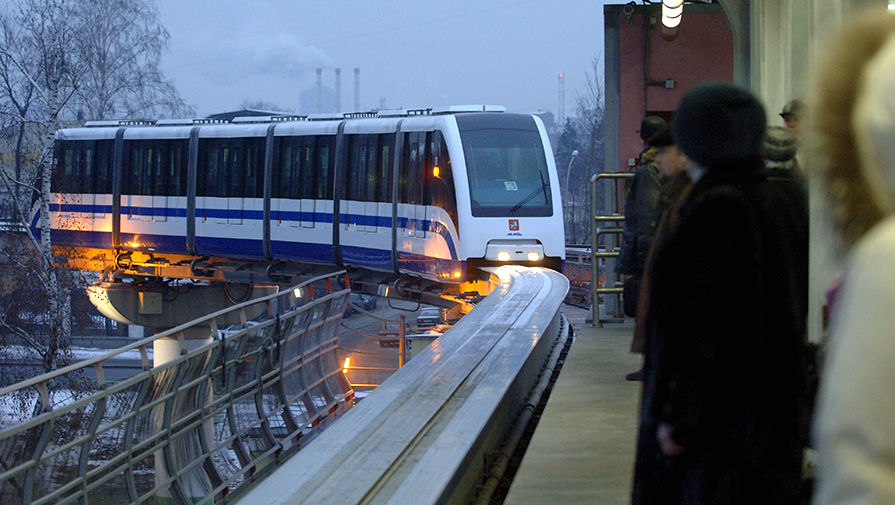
[432, 430]
[189, 431]
[615, 230]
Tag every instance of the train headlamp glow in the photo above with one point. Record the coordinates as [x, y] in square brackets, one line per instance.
[435, 171]
[503, 256]
[457, 274]
[533, 256]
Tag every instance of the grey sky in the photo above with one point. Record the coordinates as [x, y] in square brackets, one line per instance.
[411, 52]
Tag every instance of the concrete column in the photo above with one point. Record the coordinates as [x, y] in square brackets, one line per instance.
[165, 350]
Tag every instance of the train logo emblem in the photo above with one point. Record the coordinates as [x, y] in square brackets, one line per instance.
[514, 225]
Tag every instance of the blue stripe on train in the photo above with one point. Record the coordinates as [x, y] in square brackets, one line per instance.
[359, 219]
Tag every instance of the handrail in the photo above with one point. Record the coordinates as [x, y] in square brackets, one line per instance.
[191, 430]
[616, 217]
[426, 435]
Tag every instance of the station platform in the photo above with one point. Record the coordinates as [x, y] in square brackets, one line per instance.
[582, 451]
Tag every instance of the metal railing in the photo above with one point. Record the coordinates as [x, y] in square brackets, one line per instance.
[616, 220]
[434, 428]
[191, 430]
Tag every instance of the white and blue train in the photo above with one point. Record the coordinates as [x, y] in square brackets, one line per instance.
[431, 194]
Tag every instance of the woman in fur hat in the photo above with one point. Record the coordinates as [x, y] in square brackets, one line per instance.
[854, 120]
[726, 324]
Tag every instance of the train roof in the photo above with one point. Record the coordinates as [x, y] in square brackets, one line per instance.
[252, 126]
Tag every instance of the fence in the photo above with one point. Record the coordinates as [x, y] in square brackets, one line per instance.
[187, 431]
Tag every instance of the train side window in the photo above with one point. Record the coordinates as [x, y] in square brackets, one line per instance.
[178, 167]
[326, 146]
[235, 172]
[353, 177]
[285, 167]
[309, 170]
[57, 176]
[211, 158]
[440, 187]
[103, 168]
[386, 160]
[253, 170]
[88, 168]
[411, 176]
[372, 175]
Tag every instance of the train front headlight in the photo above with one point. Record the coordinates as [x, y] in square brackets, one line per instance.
[534, 256]
[503, 256]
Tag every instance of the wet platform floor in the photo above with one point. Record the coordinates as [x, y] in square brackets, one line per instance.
[582, 451]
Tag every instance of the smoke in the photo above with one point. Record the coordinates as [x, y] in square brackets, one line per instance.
[235, 59]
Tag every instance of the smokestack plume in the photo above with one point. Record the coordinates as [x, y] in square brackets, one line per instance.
[356, 89]
[338, 90]
[319, 90]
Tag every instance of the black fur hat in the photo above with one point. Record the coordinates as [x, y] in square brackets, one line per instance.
[719, 122]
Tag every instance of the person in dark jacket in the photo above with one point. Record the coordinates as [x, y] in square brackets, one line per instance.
[641, 219]
[726, 326]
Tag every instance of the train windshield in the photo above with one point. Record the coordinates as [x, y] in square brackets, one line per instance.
[507, 166]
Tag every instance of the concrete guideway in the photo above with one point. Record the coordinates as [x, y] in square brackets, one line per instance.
[423, 435]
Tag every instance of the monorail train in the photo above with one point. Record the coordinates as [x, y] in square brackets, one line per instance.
[428, 193]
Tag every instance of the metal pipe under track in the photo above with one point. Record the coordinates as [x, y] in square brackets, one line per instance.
[424, 435]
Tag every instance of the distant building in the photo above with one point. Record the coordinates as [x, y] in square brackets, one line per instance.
[307, 101]
[228, 116]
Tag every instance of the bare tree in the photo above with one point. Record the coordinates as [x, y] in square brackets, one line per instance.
[57, 57]
[585, 134]
[118, 54]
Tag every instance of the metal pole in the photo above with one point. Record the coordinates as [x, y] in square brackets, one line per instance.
[402, 341]
[594, 261]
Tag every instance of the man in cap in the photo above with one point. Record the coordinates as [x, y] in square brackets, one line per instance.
[641, 219]
[726, 323]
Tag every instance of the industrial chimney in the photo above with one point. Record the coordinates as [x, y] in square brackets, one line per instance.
[319, 90]
[338, 90]
[356, 89]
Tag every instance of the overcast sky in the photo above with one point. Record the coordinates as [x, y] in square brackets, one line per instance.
[411, 53]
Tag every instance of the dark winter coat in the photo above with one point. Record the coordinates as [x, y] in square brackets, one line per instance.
[641, 217]
[725, 332]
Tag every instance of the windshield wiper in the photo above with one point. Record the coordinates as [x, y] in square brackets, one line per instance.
[531, 195]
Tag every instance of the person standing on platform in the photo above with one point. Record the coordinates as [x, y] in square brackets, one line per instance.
[641, 219]
[727, 319]
[854, 122]
[674, 183]
[651, 475]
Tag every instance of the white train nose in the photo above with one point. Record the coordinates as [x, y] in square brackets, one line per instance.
[514, 250]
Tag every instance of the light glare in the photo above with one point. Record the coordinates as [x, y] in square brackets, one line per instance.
[503, 256]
